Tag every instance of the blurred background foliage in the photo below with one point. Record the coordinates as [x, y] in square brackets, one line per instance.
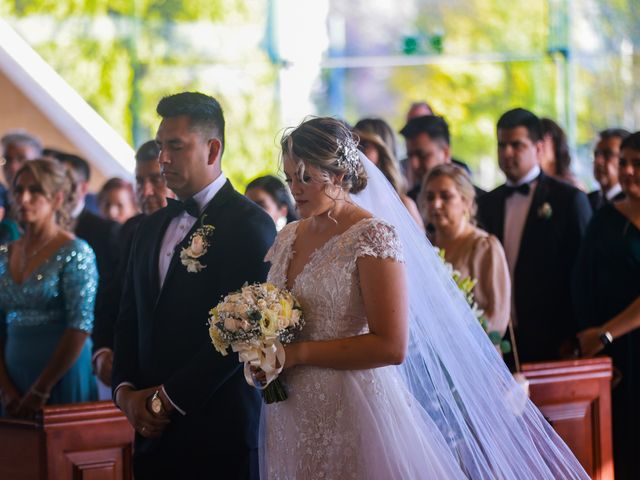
[575, 61]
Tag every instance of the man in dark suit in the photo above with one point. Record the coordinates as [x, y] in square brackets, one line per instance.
[428, 145]
[540, 222]
[152, 193]
[192, 409]
[606, 156]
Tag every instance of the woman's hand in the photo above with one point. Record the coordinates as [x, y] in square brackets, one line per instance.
[590, 343]
[30, 404]
[10, 399]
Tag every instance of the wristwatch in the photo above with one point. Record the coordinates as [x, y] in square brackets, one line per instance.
[606, 338]
[157, 407]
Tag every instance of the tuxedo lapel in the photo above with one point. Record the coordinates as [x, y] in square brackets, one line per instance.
[501, 198]
[208, 217]
[154, 259]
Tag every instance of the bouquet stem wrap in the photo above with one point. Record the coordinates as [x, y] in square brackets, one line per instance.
[268, 356]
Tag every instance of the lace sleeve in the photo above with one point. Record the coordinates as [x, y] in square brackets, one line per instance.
[380, 240]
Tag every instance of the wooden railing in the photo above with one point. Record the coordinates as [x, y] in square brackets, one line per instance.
[575, 397]
[79, 441]
[88, 441]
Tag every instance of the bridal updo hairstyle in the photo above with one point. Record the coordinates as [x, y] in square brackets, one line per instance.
[52, 177]
[328, 144]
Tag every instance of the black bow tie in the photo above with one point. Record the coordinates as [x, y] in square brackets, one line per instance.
[176, 207]
[523, 189]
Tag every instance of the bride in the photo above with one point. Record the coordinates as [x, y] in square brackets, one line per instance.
[392, 376]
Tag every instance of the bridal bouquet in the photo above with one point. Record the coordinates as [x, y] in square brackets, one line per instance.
[466, 286]
[255, 322]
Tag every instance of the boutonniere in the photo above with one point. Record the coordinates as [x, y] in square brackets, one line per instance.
[199, 243]
[545, 211]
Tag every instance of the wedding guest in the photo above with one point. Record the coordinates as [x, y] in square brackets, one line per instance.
[100, 233]
[152, 193]
[428, 145]
[555, 159]
[48, 282]
[540, 221]
[190, 406]
[381, 128]
[448, 200]
[116, 200]
[273, 196]
[374, 147]
[419, 109]
[606, 156]
[607, 298]
[9, 230]
[19, 147]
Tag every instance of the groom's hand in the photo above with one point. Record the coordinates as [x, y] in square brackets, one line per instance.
[133, 404]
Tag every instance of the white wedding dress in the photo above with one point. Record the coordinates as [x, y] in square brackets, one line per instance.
[345, 424]
[451, 410]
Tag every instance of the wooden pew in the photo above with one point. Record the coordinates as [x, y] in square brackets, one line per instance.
[82, 441]
[93, 441]
[575, 396]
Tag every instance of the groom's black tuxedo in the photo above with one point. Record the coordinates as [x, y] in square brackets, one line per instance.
[555, 225]
[162, 338]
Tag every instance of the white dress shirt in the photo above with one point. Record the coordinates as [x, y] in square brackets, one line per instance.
[182, 224]
[612, 192]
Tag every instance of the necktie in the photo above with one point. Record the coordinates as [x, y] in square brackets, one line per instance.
[523, 189]
[177, 207]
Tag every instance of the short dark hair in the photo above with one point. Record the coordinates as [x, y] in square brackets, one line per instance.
[79, 165]
[202, 110]
[632, 141]
[433, 125]
[608, 133]
[277, 190]
[519, 117]
[148, 152]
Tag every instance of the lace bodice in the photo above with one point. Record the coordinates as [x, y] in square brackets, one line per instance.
[328, 287]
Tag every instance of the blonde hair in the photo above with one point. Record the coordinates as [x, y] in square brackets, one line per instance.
[320, 142]
[460, 179]
[53, 178]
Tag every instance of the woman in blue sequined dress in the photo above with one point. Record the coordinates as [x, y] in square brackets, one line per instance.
[48, 282]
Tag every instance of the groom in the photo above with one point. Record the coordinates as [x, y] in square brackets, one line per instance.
[192, 409]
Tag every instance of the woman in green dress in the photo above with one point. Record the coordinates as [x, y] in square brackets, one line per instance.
[48, 282]
[607, 299]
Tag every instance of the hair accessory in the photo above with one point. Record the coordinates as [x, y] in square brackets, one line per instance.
[348, 157]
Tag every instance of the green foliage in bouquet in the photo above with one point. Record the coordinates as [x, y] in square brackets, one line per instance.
[466, 286]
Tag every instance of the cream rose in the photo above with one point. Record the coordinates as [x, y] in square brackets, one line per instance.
[197, 246]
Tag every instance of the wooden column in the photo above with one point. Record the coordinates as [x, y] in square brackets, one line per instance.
[575, 396]
[83, 441]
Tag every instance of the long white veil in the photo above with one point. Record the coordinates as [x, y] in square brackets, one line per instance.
[454, 371]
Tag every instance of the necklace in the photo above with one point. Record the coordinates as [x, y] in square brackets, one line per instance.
[27, 257]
